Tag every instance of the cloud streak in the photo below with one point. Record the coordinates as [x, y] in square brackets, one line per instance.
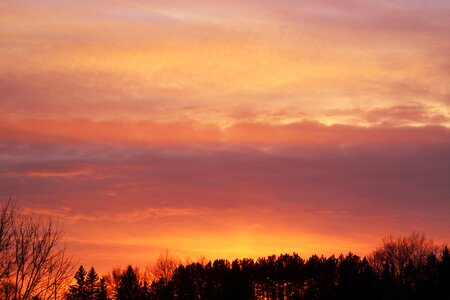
[191, 133]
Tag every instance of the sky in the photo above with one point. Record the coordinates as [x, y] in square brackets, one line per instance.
[226, 129]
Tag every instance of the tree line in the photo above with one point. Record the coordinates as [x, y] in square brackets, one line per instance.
[410, 267]
[34, 265]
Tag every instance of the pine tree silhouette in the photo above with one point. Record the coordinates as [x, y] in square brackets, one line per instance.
[78, 291]
[129, 286]
[102, 290]
[92, 284]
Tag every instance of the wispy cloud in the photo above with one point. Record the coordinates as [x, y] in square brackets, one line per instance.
[191, 134]
[68, 216]
[152, 60]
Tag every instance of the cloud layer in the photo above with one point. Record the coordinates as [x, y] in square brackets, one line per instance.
[269, 61]
[304, 187]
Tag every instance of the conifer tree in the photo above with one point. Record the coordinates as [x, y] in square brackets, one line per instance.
[92, 284]
[78, 290]
[129, 286]
[102, 290]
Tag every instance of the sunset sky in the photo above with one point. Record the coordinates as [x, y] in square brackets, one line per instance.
[226, 128]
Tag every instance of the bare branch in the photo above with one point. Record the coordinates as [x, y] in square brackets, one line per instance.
[36, 260]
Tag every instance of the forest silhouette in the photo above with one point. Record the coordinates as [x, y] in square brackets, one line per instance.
[34, 265]
[414, 271]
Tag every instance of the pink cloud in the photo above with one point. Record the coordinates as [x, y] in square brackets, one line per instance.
[302, 186]
[191, 133]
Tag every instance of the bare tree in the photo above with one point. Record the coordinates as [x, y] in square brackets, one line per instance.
[399, 252]
[36, 260]
[202, 260]
[7, 216]
[113, 279]
[165, 266]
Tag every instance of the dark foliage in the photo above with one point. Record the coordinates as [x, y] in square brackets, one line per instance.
[129, 287]
[289, 276]
[78, 290]
[88, 286]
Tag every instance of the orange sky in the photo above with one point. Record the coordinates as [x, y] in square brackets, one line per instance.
[226, 129]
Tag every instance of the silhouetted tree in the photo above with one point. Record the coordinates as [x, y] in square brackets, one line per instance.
[8, 215]
[78, 291]
[401, 263]
[102, 290]
[185, 282]
[87, 286]
[368, 281]
[33, 261]
[348, 276]
[428, 286]
[398, 252]
[444, 274]
[129, 287]
[321, 277]
[165, 266]
[92, 284]
[356, 278]
[241, 283]
[158, 290]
